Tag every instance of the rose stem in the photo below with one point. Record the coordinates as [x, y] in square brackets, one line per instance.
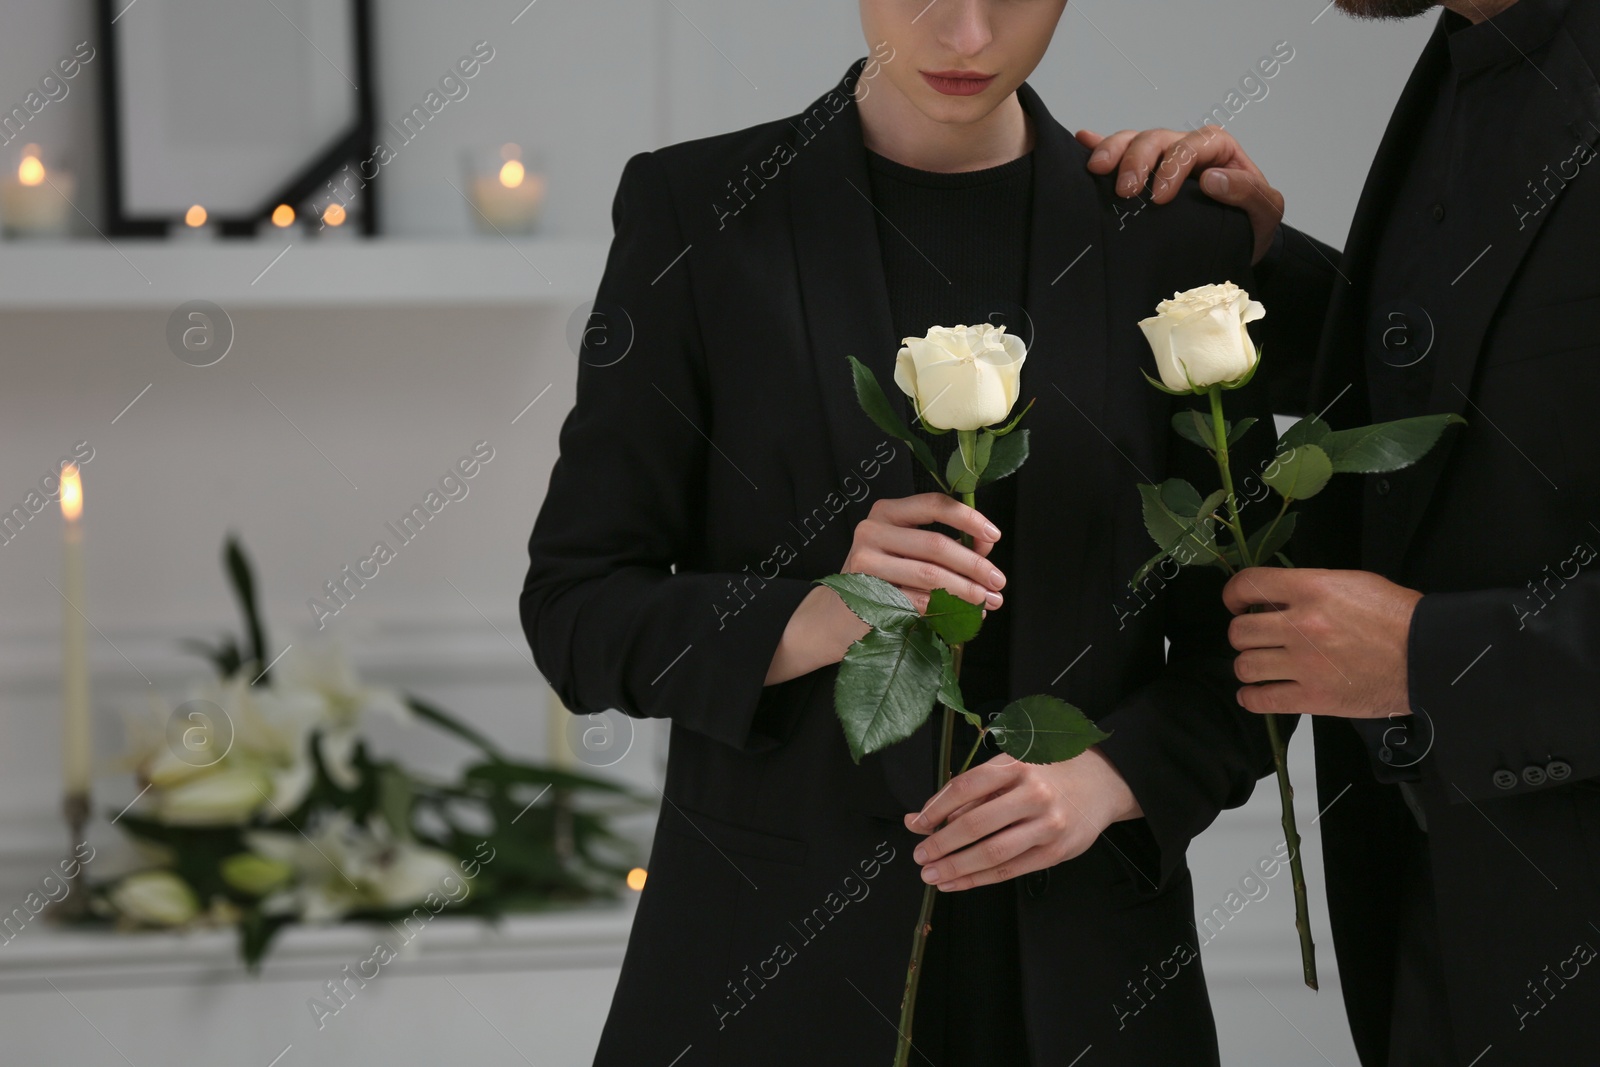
[919, 936]
[1280, 763]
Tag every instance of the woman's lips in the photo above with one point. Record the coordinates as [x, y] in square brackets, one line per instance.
[957, 83]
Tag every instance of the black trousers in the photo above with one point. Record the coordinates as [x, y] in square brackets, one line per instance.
[1419, 1027]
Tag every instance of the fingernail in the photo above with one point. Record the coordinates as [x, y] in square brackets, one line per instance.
[1216, 182]
[993, 600]
[992, 531]
[930, 874]
[920, 855]
[1100, 156]
[1125, 186]
[996, 579]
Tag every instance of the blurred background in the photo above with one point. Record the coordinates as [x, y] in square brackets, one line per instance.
[302, 384]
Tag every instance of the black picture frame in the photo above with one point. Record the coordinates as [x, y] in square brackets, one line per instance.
[297, 190]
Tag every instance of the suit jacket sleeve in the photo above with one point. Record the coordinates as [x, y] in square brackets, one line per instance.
[1182, 743]
[1295, 280]
[613, 607]
[1527, 702]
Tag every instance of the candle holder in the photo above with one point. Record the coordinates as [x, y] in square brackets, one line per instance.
[506, 188]
[75, 806]
[36, 194]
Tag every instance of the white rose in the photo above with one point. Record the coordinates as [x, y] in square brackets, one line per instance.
[961, 378]
[159, 898]
[1199, 336]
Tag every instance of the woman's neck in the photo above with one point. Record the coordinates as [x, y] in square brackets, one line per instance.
[891, 126]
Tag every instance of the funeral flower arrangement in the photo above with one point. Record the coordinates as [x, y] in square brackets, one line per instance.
[260, 805]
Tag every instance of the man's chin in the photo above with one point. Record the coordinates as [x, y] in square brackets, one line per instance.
[1385, 9]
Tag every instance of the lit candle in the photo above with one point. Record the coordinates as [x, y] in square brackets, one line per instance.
[558, 749]
[34, 203]
[508, 200]
[197, 225]
[74, 652]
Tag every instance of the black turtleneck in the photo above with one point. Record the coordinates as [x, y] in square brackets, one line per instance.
[955, 252]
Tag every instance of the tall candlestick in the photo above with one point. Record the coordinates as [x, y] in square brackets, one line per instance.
[75, 744]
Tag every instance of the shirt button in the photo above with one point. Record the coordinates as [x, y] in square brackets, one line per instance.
[1438, 213]
[1504, 779]
[1533, 774]
[1558, 771]
[1382, 487]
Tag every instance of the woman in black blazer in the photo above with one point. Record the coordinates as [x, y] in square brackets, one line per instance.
[719, 466]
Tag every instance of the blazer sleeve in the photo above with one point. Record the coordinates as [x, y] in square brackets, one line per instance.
[1521, 717]
[1295, 280]
[615, 612]
[1182, 742]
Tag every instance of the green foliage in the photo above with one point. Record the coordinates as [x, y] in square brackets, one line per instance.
[1005, 457]
[1386, 446]
[870, 395]
[953, 619]
[886, 687]
[1299, 473]
[877, 603]
[1044, 729]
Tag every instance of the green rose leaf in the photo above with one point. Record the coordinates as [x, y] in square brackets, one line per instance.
[969, 460]
[952, 618]
[1195, 426]
[1271, 538]
[1308, 431]
[870, 395]
[886, 687]
[1239, 429]
[1174, 516]
[1386, 446]
[949, 684]
[1006, 455]
[1300, 472]
[1044, 729]
[876, 602]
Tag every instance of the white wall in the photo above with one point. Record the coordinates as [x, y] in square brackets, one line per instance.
[393, 395]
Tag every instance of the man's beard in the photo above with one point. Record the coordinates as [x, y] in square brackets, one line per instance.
[1385, 9]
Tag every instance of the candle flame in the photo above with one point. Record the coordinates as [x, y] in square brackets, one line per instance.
[30, 171]
[334, 214]
[71, 493]
[511, 174]
[636, 879]
[282, 215]
[195, 216]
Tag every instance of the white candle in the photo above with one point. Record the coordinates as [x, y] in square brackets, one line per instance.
[33, 203]
[559, 751]
[508, 201]
[75, 752]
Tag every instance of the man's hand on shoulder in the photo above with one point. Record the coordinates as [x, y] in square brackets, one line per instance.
[1226, 174]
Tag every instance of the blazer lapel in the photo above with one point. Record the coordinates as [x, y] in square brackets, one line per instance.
[1552, 122]
[846, 307]
[1065, 373]
[1340, 382]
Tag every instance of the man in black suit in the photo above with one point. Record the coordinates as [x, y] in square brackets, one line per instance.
[1461, 639]
[716, 463]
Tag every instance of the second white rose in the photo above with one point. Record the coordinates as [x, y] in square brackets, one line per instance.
[1199, 337]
